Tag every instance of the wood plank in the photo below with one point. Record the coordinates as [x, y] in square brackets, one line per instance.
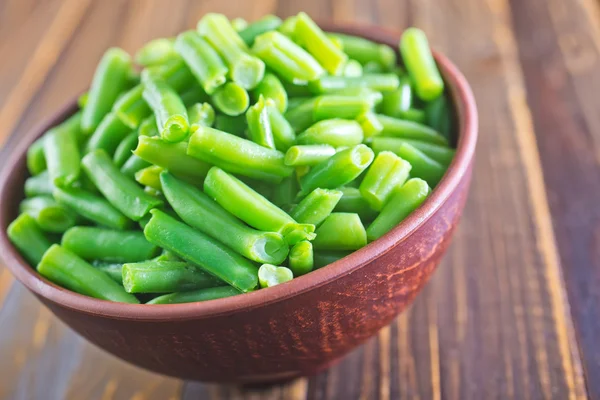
[562, 84]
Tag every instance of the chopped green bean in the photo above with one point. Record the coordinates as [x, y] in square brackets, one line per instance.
[365, 51]
[271, 275]
[334, 132]
[301, 116]
[341, 231]
[133, 165]
[39, 185]
[439, 116]
[156, 52]
[415, 115]
[36, 160]
[420, 64]
[48, 214]
[231, 99]
[113, 270]
[397, 102]
[27, 236]
[352, 69]
[338, 106]
[442, 154]
[370, 124]
[165, 277]
[317, 206]
[352, 201]
[283, 132]
[125, 149]
[308, 155]
[108, 135]
[423, 167]
[150, 177]
[377, 82]
[200, 114]
[387, 173]
[259, 124]
[400, 128]
[265, 24]
[195, 295]
[272, 88]
[301, 258]
[61, 152]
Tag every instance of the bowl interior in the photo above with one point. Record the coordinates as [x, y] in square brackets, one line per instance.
[14, 173]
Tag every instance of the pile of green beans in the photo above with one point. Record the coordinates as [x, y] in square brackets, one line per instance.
[233, 157]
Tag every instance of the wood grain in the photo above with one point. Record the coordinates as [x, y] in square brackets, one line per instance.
[513, 309]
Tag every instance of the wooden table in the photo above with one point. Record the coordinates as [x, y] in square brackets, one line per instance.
[513, 311]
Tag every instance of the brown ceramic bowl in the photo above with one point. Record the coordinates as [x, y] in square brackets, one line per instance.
[293, 329]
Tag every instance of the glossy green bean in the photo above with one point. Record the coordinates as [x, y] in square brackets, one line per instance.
[265, 24]
[335, 132]
[201, 250]
[404, 129]
[108, 135]
[165, 277]
[39, 185]
[396, 102]
[195, 295]
[92, 207]
[125, 149]
[288, 59]
[370, 124]
[288, 27]
[150, 177]
[404, 201]
[252, 208]
[283, 132]
[133, 165]
[62, 155]
[48, 214]
[439, 116]
[308, 34]
[301, 116]
[238, 155]
[352, 201]
[200, 114]
[271, 88]
[338, 106]
[244, 69]
[123, 193]
[308, 155]
[442, 154]
[317, 206]
[66, 269]
[110, 79]
[259, 124]
[341, 231]
[420, 64]
[156, 52]
[372, 96]
[387, 173]
[231, 99]
[93, 243]
[148, 127]
[338, 170]
[172, 157]
[204, 61]
[27, 236]
[203, 213]
[378, 82]
[270, 275]
[415, 115]
[423, 166]
[36, 160]
[352, 69]
[301, 258]
[365, 51]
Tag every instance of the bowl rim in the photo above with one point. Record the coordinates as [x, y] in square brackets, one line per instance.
[468, 129]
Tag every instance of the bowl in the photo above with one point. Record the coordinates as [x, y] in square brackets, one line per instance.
[294, 329]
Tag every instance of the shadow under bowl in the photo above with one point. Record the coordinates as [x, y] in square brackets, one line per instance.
[294, 329]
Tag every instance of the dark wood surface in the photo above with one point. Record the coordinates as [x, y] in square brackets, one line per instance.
[512, 312]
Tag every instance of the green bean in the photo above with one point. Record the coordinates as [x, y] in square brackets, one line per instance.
[423, 167]
[113, 270]
[238, 155]
[285, 193]
[201, 250]
[288, 27]
[200, 114]
[156, 52]
[317, 206]
[110, 79]
[325, 257]
[36, 160]
[301, 258]
[301, 116]
[271, 88]
[148, 127]
[259, 124]
[387, 173]
[420, 64]
[48, 214]
[27, 236]
[108, 135]
[370, 124]
[233, 125]
[439, 116]
[271, 275]
[442, 154]
[365, 51]
[133, 165]
[91, 207]
[123, 193]
[352, 201]
[252, 208]
[415, 115]
[93, 243]
[335, 132]
[66, 269]
[309, 155]
[172, 157]
[245, 69]
[338, 170]
[341, 231]
[309, 35]
[283, 132]
[39, 185]
[239, 24]
[377, 82]
[150, 177]
[61, 152]
[124, 149]
[231, 99]
[169, 110]
[165, 277]
[204, 61]
[373, 97]
[404, 201]
[265, 24]
[285, 57]
[338, 106]
[195, 295]
[396, 102]
[337, 42]
[203, 213]
[395, 127]
[352, 69]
